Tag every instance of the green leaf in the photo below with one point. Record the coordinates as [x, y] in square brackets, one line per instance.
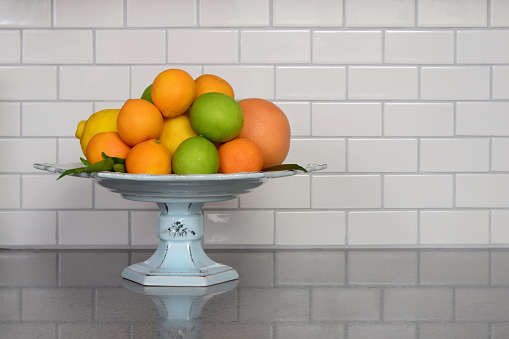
[119, 168]
[107, 164]
[285, 167]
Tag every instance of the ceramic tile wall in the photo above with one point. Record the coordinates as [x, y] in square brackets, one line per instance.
[407, 102]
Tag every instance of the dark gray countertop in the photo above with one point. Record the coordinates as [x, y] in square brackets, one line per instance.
[280, 294]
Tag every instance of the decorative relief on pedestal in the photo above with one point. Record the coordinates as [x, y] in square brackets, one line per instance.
[178, 230]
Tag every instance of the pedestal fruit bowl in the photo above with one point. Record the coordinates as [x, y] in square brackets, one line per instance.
[179, 259]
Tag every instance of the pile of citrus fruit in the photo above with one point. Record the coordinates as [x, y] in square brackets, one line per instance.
[183, 125]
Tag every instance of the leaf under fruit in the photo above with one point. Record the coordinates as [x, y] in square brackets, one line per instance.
[285, 167]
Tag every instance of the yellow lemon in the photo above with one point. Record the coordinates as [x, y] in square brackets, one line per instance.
[101, 121]
[175, 131]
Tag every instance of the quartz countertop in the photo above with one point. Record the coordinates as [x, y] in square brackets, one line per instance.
[407, 293]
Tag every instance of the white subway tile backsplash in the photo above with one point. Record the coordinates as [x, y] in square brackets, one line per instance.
[35, 118]
[11, 187]
[91, 13]
[57, 47]
[455, 83]
[382, 155]
[318, 151]
[419, 47]
[418, 119]
[346, 191]
[308, 13]
[382, 227]
[203, 46]
[94, 83]
[36, 13]
[499, 229]
[33, 150]
[482, 118]
[346, 119]
[383, 83]
[342, 47]
[10, 42]
[482, 190]
[69, 150]
[499, 158]
[102, 227]
[299, 116]
[500, 82]
[418, 191]
[10, 113]
[499, 13]
[238, 228]
[239, 13]
[454, 155]
[454, 227]
[161, 13]
[130, 46]
[453, 268]
[282, 193]
[273, 47]
[28, 83]
[144, 228]
[28, 228]
[385, 13]
[451, 13]
[482, 47]
[298, 83]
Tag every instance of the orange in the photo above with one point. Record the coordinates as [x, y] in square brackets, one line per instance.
[267, 126]
[108, 142]
[139, 120]
[240, 155]
[173, 92]
[148, 157]
[212, 83]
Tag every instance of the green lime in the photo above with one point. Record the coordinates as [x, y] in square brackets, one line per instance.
[216, 116]
[196, 155]
[147, 94]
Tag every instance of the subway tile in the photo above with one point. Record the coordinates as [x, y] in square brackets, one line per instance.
[381, 330]
[240, 13]
[39, 269]
[100, 228]
[499, 269]
[10, 41]
[318, 151]
[346, 119]
[57, 304]
[275, 46]
[500, 82]
[455, 83]
[69, 150]
[310, 268]
[382, 155]
[418, 304]
[450, 13]
[418, 119]
[454, 155]
[482, 118]
[144, 228]
[33, 150]
[226, 204]
[11, 189]
[161, 13]
[313, 83]
[309, 13]
[347, 47]
[130, 46]
[386, 13]
[419, 47]
[22, 228]
[247, 81]
[499, 13]
[92, 13]
[289, 192]
[65, 194]
[482, 47]
[382, 267]
[418, 191]
[499, 222]
[382, 228]
[313, 228]
[35, 13]
[29, 83]
[238, 228]
[95, 83]
[370, 83]
[29, 330]
[346, 191]
[281, 305]
[35, 118]
[454, 330]
[482, 190]
[454, 227]
[9, 298]
[482, 304]
[454, 268]
[57, 47]
[11, 119]
[299, 116]
[345, 304]
[209, 46]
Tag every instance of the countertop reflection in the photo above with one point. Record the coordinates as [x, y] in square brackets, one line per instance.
[350, 294]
